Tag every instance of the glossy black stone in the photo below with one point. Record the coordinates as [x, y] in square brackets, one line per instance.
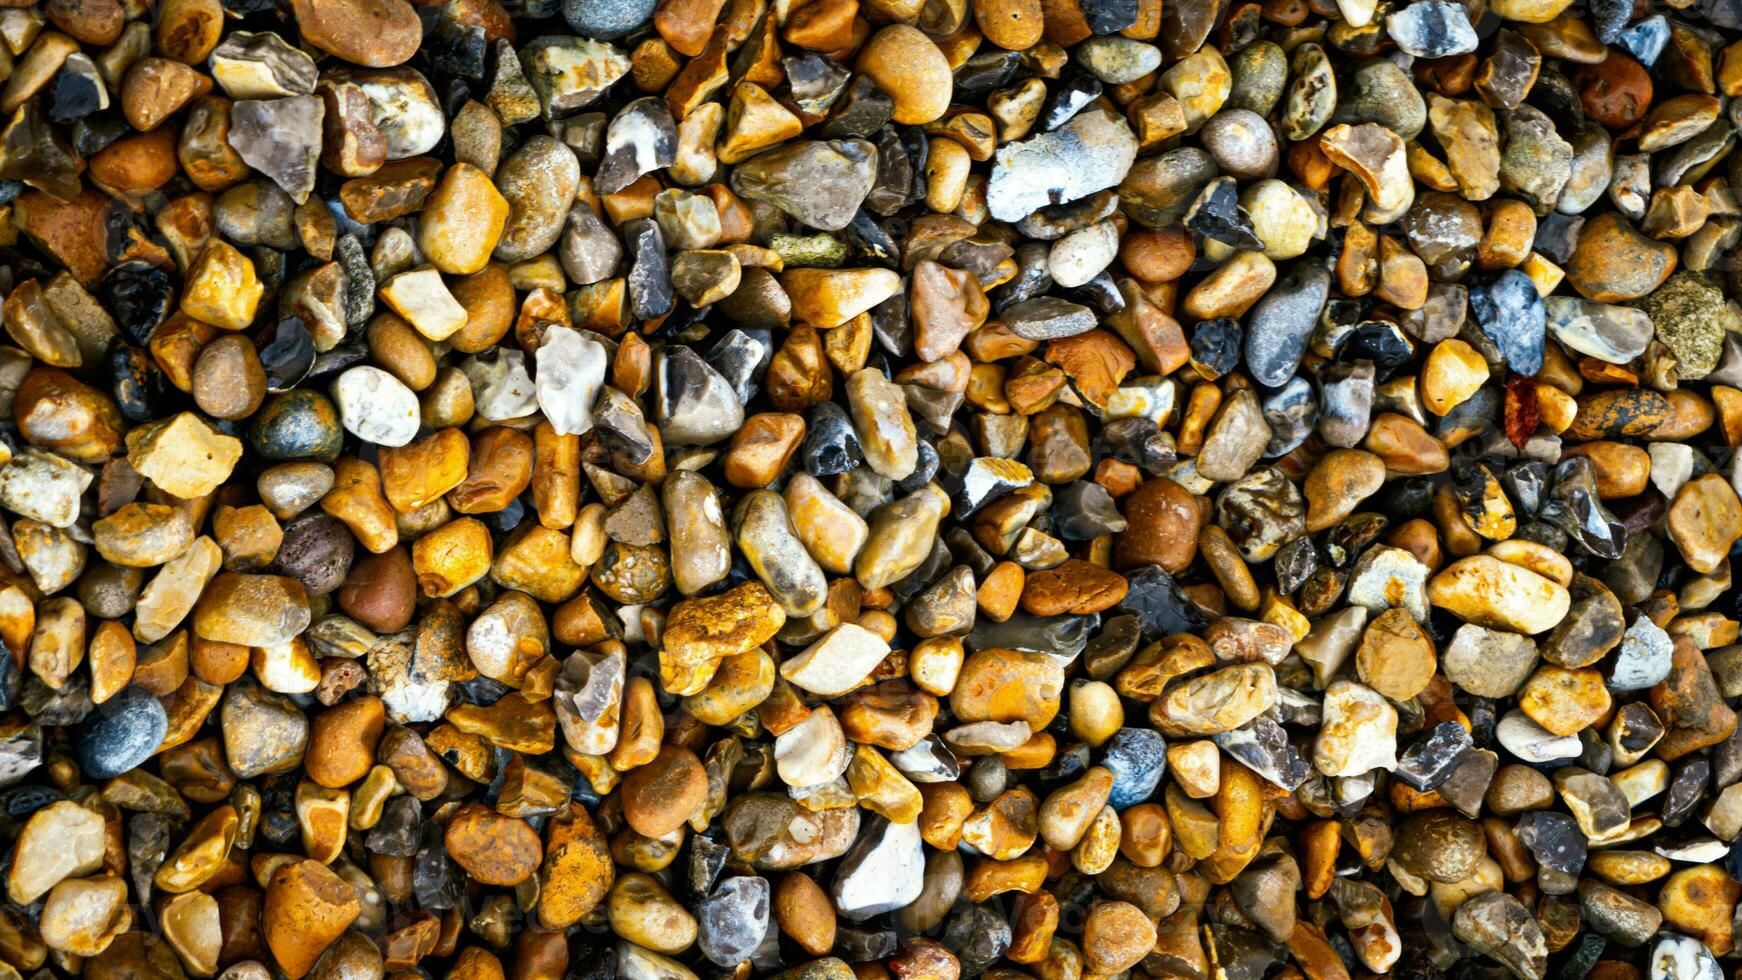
[987, 70]
[78, 91]
[1070, 97]
[1574, 507]
[1687, 787]
[1109, 16]
[1154, 596]
[1083, 510]
[139, 296]
[287, 353]
[1217, 214]
[831, 444]
[1429, 760]
[125, 731]
[1263, 746]
[1554, 839]
[1380, 341]
[1216, 347]
[135, 382]
[862, 110]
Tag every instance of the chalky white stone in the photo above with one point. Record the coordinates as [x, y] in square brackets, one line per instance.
[571, 370]
[501, 388]
[1683, 958]
[1092, 152]
[1359, 733]
[402, 104]
[1531, 742]
[43, 487]
[1081, 255]
[423, 299]
[375, 406]
[1385, 577]
[1672, 464]
[1644, 658]
[836, 664]
[883, 870]
[812, 752]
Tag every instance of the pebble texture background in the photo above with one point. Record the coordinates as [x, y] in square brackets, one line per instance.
[870, 489]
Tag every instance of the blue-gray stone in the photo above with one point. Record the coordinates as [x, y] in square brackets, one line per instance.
[128, 729]
[730, 923]
[1263, 746]
[1644, 658]
[606, 20]
[1137, 758]
[1291, 411]
[1158, 602]
[1511, 313]
[1609, 18]
[1278, 329]
[1646, 39]
[1432, 29]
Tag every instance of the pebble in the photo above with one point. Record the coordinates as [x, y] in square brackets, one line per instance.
[732, 920]
[1512, 315]
[375, 406]
[1498, 595]
[1359, 732]
[1432, 29]
[571, 370]
[1090, 153]
[1500, 926]
[881, 872]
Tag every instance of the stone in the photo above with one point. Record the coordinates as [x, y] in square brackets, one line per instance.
[375, 406]
[183, 455]
[1359, 732]
[881, 872]
[1612, 262]
[1512, 315]
[1501, 927]
[1615, 334]
[371, 33]
[1090, 153]
[733, 918]
[1432, 29]
[819, 182]
[281, 138]
[1491, 593]
[836, 663]
[261, 66]
[1280, 324]
[306, 907]
[909, 67]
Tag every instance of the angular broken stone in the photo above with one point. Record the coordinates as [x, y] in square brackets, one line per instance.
[281, 138]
